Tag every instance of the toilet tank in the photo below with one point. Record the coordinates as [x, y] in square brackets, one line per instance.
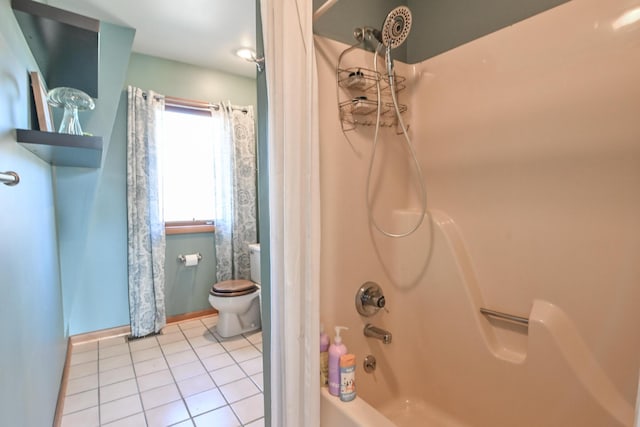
[254, 260]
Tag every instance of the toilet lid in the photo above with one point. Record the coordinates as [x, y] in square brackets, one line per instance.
[233, 288]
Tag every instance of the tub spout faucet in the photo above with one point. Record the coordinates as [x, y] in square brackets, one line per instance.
[375, 332]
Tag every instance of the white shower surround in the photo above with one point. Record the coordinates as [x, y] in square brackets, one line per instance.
[529, 141]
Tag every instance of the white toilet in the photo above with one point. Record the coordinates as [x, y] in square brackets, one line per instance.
[238, 301]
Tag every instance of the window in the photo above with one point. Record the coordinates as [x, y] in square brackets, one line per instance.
[188, 176]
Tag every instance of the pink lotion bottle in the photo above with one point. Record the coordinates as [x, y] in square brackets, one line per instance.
[336, 349]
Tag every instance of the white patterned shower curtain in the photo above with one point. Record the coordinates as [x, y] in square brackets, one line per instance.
[235, 190]
[294, 211]
[145, 225]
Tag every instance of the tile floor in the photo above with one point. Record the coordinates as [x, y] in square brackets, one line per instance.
[187, 376]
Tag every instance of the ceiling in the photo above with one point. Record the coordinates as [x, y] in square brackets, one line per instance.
[205, 33]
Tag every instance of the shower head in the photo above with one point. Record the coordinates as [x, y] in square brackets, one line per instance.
[396, 27]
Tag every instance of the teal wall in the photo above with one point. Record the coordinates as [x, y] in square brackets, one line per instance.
[437, 25]
[187, 288]
[91, 205]
[180, 80]
[31, 318]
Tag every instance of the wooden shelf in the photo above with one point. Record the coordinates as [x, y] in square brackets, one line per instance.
[63, 149]
[64, 44]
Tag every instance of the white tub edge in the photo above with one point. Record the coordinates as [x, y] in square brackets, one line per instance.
[357, 413]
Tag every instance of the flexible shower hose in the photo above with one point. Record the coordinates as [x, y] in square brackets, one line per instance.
[423, 191]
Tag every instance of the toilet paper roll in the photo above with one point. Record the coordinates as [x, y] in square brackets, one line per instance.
[190, 260]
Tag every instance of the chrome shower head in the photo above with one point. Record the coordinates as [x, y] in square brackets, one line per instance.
[396, 27]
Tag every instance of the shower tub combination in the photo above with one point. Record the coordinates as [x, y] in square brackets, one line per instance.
[479, 370]
[449, 363]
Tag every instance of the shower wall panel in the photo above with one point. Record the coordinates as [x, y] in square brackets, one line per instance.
[529, 141]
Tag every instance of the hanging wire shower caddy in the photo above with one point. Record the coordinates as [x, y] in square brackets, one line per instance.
[358, 101]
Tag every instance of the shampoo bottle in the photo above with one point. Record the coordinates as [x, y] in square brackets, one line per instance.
[336, 349]
[347, 377]
[324, 357]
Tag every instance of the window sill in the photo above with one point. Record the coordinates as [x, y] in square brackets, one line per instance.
[189, 229]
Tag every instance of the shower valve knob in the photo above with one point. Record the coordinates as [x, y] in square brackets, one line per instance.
[369, 299]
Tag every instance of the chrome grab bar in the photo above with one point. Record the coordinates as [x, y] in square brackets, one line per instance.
[9, 178]
[505, 316]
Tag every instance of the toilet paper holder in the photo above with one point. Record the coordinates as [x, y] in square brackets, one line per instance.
[183, 258]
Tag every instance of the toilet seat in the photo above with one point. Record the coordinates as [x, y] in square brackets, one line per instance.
[233, 288]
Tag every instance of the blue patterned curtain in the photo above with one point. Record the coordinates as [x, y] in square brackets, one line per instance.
[145, 229]
[235, 190]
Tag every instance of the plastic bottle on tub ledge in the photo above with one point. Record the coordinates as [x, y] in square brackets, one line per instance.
[347, 377]
[336, 349]
[324, 357]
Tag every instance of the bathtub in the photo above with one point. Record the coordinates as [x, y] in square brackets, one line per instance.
[357, 413]
[403, 413]
[454, 367]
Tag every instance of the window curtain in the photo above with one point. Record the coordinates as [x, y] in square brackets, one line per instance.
[145, 225]
[235, 190]
[294, 208]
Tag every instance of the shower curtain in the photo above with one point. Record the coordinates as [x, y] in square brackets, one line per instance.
[145, 225]
[294, 212]
[235, 190]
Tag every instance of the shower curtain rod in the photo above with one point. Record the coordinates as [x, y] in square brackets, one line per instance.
[324, 8]
[173, 101]
[198, 105]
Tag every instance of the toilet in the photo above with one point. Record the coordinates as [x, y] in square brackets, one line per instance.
[238, 301]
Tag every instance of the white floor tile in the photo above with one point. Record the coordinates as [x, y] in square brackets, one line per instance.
[146, 354]
[171, 329]
[84, 347]
[159, 396]
[227, 375]
[168, 414]
[109, 342]
[175, 347]
[87, 418]
[83, 357]
[116, 375]
[191, 324]
[252, 366]
[118, 390]
[235, 343]
[143, 343]
[83, 369]
[156, 379]
[136, 420]
[239, 390]
[222, 417]
[245, 353]
[171, 337]
[166, 374]
[120, 408]
[249, 409]
[80, 401]
[205, 402]
[217, 362]
[195, 385]
[257, 423]
[202, 340]
[114, 362]
[113, 350]
[209, 350]
[82, 384]
[188, 370]
[181, 358]
[254, 337]
[258, 379]
[149, 366]
[196, 331]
